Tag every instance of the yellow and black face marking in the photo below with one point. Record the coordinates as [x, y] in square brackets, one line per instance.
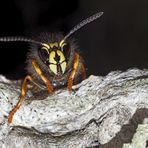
[54, 57]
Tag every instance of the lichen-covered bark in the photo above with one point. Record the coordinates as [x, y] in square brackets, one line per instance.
[103, 111]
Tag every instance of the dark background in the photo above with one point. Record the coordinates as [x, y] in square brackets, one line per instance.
[117, 41]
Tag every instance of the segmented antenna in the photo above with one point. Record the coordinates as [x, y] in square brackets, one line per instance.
[83, 23]
[18, 39]
[77, 27]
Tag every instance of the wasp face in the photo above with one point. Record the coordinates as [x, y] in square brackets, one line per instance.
[54, 55]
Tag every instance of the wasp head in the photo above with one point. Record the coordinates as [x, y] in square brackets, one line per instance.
[55, 55]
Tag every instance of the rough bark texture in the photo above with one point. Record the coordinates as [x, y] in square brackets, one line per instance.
[107, 112]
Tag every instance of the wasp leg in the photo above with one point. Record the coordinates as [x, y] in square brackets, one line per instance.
[24, 89]
[40, 73]
[72, 75]
[22, 97]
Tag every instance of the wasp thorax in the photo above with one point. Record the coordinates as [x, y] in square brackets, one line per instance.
[53, 55]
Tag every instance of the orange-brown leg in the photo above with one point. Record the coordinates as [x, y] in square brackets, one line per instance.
[72, 75]
[24, 89]
[22, 97]
[40, 73]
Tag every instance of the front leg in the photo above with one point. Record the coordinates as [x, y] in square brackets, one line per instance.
[40, 73]
[24, 89]
[22, 97]
[73, 73]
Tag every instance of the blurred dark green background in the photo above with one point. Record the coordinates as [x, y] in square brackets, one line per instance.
[117, 41]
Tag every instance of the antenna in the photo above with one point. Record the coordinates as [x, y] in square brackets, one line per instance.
[18, 39]
[83, 23]
[77, 27]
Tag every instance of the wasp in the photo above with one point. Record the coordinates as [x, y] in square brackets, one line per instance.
[53, 62]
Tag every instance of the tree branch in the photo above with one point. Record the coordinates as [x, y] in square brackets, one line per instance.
[102, 111]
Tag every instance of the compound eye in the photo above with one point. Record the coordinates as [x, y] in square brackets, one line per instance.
[44, 55]
[65, 47]
[65, 50]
